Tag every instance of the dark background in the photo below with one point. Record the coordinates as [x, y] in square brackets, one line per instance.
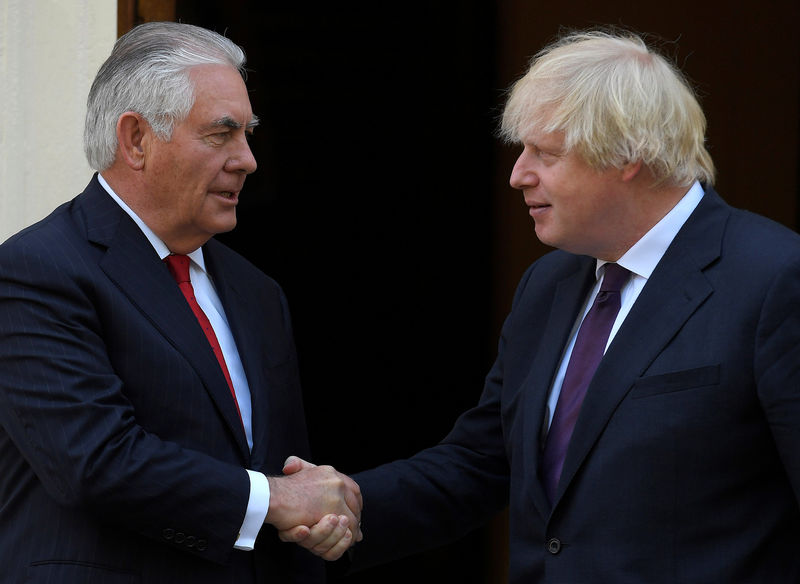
[382, 204]
[370, 208]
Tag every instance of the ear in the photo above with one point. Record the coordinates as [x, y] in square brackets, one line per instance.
[630, 170]
[132, 130]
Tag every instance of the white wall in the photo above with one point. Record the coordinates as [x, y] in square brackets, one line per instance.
[50, 51]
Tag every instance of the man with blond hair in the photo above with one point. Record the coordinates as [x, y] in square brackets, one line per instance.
[642, 419]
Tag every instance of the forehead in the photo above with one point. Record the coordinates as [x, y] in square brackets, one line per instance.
[553, 141]
[533, 120]
[220, 92]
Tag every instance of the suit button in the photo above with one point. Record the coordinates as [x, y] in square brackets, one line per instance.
[554, 545]
[168, 533]
[202, 545]
[179, 537]
[190, 540]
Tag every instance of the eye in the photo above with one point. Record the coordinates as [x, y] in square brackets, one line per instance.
[537, 152]
[546, 156]
[218, 138]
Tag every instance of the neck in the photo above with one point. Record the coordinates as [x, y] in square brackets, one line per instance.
[650, 205]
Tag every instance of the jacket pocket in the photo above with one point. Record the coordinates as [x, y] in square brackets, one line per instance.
[676, 381]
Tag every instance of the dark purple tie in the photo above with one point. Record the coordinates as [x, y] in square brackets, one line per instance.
[589, 347]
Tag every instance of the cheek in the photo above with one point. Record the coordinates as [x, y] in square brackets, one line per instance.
[581, 215]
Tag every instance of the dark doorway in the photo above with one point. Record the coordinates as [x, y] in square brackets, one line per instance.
[371, 207]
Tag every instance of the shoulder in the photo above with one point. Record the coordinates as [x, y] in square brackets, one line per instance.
[743, 255]
[52, 228]
[544, 276]
[758, 251]
[67, 231]
[47, 248]
[748, 238]
[554, 266]
[758, 234]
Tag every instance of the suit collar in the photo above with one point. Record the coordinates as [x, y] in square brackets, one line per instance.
[643, 257]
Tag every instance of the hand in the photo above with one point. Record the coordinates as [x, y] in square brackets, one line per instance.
[329, 538]
[320, 497]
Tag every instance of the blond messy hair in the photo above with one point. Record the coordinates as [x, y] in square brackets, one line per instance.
[616, 101]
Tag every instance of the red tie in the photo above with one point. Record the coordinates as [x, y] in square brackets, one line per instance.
[179, 268]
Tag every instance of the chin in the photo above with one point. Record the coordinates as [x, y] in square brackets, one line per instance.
[224, 226]
[542, 236]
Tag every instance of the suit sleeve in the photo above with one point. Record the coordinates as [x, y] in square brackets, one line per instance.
[445, 491]
[69, 421]
[777, 367]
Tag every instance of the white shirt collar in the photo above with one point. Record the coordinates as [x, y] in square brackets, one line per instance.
[643, 257]
[161, 248]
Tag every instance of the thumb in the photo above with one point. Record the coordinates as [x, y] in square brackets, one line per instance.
[295, 464]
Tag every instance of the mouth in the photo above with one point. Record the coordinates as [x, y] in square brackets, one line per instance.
[227, 195]
[535, 209]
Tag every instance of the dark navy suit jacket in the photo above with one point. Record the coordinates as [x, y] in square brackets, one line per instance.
[122, 458]
[684, 466]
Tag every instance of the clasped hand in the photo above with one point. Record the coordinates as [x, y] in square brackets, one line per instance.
[316, 507]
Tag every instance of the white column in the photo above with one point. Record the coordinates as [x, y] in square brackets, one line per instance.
[50, 51]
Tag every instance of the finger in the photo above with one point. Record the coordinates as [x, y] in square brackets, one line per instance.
[339, 548]
[354, 501]
[323, 535]
[333, 545]
[295, 535]
[359, 535]
[354, 498]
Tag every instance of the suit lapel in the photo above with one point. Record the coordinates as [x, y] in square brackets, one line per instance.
[673, 293]
[239, 308]
[570, 295]
[134, 266]
[257, 326]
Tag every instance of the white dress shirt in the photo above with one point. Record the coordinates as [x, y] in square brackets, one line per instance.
[641, 259]
[209, 301]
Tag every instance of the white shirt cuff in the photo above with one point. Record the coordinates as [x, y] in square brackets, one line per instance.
[257, 507]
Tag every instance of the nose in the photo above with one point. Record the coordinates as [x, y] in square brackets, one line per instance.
[242, 160]
[523, 175]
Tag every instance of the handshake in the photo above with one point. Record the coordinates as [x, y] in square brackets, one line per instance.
[315, 507]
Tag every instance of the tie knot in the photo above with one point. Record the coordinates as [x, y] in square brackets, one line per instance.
[178, 266]
[615, 278]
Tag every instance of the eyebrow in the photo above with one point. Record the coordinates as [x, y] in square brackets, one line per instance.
[229, 122]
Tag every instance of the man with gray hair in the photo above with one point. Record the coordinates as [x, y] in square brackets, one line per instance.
[642, 419]
[149, 392]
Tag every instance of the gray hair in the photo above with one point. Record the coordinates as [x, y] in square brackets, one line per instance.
[148, 73]
[617, 101]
